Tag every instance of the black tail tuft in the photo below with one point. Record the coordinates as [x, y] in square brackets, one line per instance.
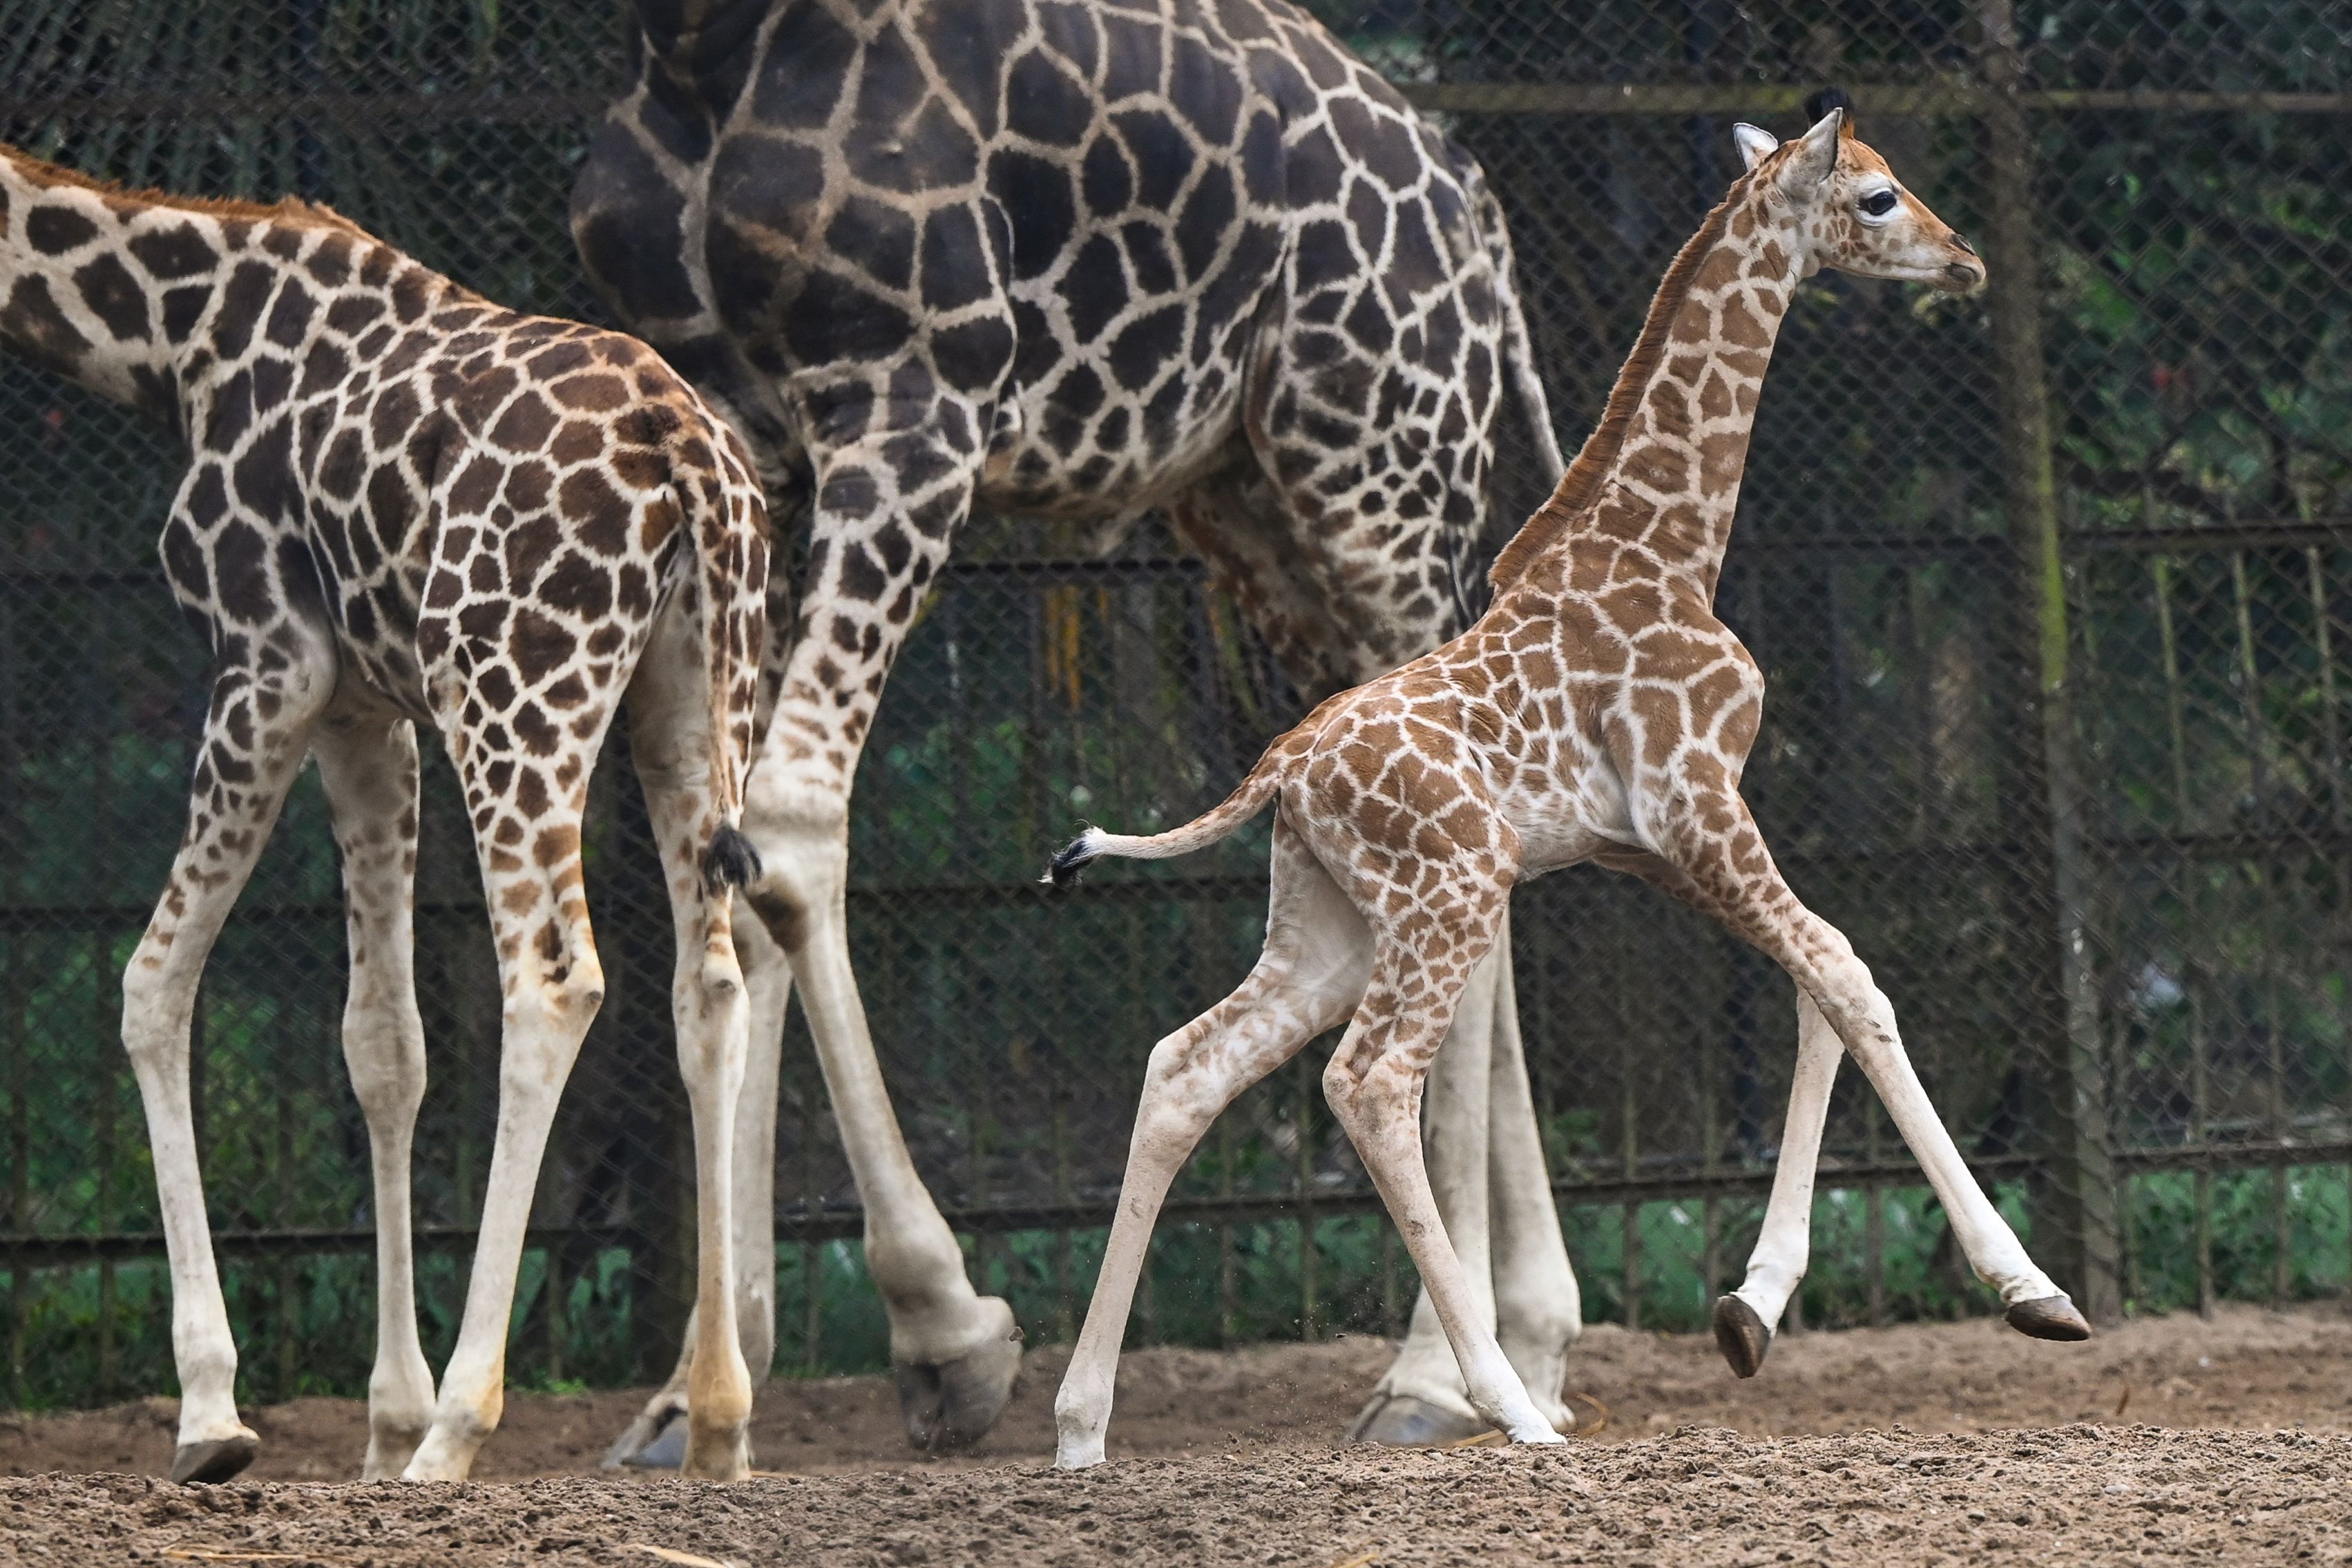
[730, 862]
[1820, 104]
[1072, 859]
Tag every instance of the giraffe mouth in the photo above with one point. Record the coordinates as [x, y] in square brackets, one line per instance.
[1962, 277]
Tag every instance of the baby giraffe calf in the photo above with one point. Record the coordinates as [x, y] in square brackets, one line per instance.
[1598, 712]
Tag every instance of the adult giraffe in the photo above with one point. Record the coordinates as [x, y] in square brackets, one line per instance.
[1069, 259]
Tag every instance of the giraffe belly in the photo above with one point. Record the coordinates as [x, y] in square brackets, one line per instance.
[376, 639]
[1055, 460]
[1572, 819]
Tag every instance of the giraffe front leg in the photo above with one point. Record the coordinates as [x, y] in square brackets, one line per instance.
[1374, 1084]
[887, 501]
[1539, 1313]
[1745, 1321]
[526, 809]
[1714, 840]
[657, 1439]
[953, 1351]
[254, 737]
[1421, 1399]
[368, 765]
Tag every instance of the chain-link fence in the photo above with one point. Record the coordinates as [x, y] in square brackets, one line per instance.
[2052, 587]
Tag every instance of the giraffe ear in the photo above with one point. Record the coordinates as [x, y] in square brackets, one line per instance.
[1815, 155]
[1754, 145]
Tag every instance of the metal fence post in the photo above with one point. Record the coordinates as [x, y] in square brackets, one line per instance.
[2073, 1198]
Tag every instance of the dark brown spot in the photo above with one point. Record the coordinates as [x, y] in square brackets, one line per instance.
[591, 394]
[32, 324]
[528, 545]
[114, 296]
[526, 425]
[171, 253]
[579, 586]
[538, 645]
[53, 230]
[289, 318]
[600, 517]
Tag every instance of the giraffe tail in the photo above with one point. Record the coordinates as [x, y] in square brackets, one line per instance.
[1198, 834]
[1519, 354]
[729, 534]
[1249, 798]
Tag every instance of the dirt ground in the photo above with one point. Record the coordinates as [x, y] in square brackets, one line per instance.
[2165, 1440]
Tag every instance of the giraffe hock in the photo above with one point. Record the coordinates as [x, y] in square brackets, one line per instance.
[730, 862]
[1741, 1336]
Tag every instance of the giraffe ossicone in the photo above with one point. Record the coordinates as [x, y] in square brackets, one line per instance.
[404, 504]
[1597, 711]
[1068, 259]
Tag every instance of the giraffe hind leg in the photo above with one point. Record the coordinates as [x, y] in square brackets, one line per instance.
[368, 767]
[1374, 1085]
[526, 807]
[702, 858]
[1311, 972]
[255, 734]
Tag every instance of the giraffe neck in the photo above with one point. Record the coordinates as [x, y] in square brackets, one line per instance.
[151, 300]
[1654, 490]
[74, 297]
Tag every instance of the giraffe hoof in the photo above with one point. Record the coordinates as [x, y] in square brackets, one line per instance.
[214, 1460]
[1741, 1335]
[951, 1405]
[659, 1427]
[666, 1452]
[2049, 1318]
[1400, 1421]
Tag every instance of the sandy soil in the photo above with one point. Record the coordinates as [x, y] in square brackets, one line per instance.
[2166, 1440]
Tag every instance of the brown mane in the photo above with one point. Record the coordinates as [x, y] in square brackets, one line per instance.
[286, 209]
[1593, 459]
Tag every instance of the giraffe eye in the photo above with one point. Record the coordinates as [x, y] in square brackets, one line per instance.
[1878, 204]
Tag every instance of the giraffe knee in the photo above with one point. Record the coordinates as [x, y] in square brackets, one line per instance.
[547, 1016]
[156, 1007]
[385, 1059]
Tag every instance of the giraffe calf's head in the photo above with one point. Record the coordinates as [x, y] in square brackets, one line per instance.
[1853, 212]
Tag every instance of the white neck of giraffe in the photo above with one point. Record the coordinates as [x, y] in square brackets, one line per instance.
[86, 283]
[1673, 486]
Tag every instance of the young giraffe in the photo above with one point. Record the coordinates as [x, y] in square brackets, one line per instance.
[1597, 711]
[404, 503]
[1069, 259]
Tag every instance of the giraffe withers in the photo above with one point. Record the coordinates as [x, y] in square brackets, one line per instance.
[1598, 710]
[1068, 259]
[406, 504]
